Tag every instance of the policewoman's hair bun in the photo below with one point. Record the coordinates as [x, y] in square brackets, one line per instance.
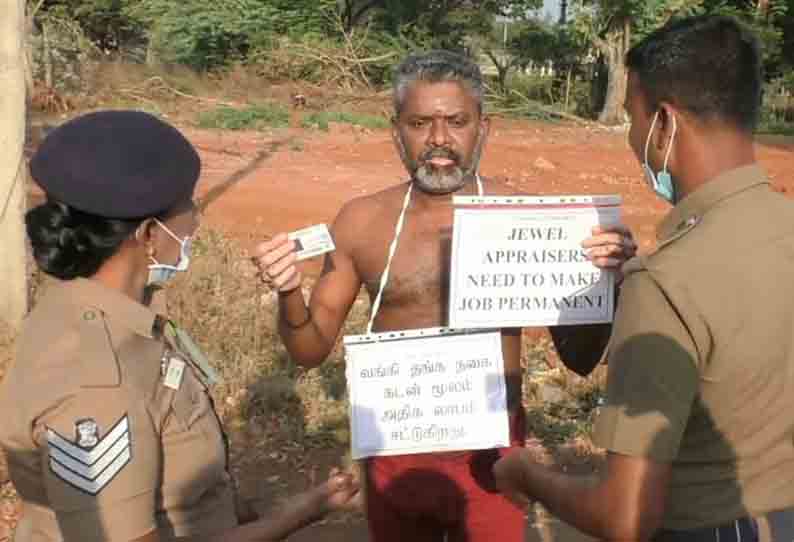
[68, 243]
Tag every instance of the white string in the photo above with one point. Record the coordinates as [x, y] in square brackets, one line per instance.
[385, 276]
[393, 248]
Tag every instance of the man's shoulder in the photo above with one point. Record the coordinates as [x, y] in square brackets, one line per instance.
[363, 209]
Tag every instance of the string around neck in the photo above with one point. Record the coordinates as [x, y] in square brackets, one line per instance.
[384, 278]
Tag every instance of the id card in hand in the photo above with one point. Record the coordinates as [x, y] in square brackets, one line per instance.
[312, 241]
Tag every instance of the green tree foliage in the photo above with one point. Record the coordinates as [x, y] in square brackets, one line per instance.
[529, 41]
[768, 19]
[206, 35]
[611, 26]
[102, 21]
[350, 43]
[432, 23]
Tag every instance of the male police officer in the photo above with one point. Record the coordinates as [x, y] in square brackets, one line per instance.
[697, 424]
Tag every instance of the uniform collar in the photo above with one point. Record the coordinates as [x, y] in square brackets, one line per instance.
[119, 307]
[689, 210]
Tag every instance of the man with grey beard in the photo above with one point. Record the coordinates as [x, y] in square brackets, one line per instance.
[439, 129]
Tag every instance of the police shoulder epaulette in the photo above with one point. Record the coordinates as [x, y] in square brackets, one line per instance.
[99, 363]
[683, 228]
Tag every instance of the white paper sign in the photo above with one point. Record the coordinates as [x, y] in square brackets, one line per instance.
[433, 390]
[518, 261]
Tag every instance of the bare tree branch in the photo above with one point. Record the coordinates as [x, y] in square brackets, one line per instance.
[355, 16]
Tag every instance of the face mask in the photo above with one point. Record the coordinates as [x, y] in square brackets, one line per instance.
[160, 273]
[661, 182]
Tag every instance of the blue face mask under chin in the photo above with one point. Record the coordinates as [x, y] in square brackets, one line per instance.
[159, 273]
[661, 182]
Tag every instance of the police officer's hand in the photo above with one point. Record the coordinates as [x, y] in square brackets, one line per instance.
[610, 247]
[342, 492]
[509, 475]
[276, 262]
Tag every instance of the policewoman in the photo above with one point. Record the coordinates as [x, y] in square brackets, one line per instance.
[109, 431]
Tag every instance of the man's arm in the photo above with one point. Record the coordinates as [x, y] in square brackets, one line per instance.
[309, 333]
[627, 504]
[582, 347]
[652, 383]
[340, 492]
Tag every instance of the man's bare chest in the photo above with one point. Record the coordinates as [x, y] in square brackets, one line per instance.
[419, 271]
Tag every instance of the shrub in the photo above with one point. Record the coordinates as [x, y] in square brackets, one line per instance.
[207, 35]
[255, 117]
[322, 119]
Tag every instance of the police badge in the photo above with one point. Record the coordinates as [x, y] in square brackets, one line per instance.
[90, 463]
[86, 433]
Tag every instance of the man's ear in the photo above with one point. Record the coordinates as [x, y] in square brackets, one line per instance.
[396, 137]
[669, 118]
[395, 130]
[485, 128]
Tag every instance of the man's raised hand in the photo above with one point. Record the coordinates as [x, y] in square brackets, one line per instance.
[276, 262]
[609, 247]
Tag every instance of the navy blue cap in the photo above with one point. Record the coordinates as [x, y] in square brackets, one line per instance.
[117, 164]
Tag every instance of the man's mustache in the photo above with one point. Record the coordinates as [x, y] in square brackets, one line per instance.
[447, 154]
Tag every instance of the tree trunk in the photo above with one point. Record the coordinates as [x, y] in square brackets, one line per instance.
[502, 70]
[13, 264]
[46, 55]
[28, 56]
[614, 48]
[152, 54]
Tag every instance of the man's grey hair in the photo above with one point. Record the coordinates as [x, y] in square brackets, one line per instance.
[436, 67]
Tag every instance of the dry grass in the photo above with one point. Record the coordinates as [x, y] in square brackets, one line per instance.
[266, 396]
[231, 315]
[181, 94]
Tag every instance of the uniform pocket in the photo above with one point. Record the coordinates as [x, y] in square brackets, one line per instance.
[191, 407]
[191, 403]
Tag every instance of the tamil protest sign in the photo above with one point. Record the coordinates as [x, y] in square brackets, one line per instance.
[429, 390]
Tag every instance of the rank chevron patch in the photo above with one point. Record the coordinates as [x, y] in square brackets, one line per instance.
[91, 469]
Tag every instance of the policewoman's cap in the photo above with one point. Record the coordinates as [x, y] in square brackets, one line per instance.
[117, 164]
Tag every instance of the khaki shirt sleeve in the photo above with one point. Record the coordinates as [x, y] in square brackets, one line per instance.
[653, 377]
[100, 458]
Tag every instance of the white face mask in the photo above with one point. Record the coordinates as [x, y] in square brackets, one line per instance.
[160, 273]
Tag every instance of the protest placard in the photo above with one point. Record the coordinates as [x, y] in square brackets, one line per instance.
[518, 261]
[431, 390]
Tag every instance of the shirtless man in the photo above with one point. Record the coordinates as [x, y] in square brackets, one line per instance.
[439, 130]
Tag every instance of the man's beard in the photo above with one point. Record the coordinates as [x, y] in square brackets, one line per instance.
[442, 180]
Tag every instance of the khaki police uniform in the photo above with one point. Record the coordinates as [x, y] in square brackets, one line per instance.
[101, 443]
[701, 361]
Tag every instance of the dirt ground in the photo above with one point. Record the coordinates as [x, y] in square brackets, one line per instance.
[257, 184]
